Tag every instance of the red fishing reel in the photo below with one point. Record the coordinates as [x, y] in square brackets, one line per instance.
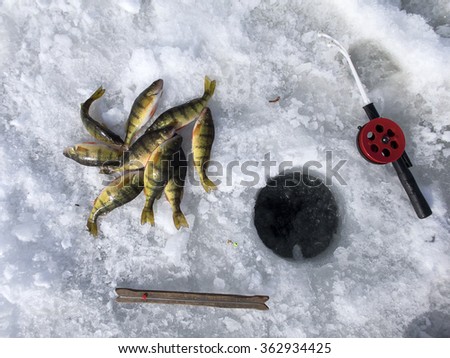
[381, 141]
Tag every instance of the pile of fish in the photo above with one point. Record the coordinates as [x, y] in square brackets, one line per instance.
[154, 161]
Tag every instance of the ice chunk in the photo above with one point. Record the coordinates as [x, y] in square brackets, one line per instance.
[132, 6]
[41, 280]
[9, 272]
[219, 283]
[231, 324]
[175, 247]
[26, 232]
[66, 243]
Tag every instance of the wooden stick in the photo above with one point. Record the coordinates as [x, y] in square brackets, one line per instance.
[126, 295]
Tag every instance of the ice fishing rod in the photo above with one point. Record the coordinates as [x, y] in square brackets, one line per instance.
[382, 141]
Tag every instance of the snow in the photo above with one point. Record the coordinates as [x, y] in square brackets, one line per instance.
[132, 6]
[387, 273]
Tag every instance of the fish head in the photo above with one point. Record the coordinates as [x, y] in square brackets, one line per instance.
[173, 144]
[167, 132]
[164, 132]
[155, 88]
[69, 152]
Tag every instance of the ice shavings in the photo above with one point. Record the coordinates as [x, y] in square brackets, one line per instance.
[387, 274]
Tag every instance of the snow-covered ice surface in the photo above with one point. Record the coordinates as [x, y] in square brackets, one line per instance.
[387, 274]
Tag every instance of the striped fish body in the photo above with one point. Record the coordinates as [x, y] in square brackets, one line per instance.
[143, 109]
[202, 140]
[97, 130]
[157, 173]
[174, 191]
[186, 113]
[121, 191]
[141, 150]
[94, 154]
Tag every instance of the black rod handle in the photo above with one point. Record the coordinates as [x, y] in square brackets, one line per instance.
[416, 197]
[371, 111]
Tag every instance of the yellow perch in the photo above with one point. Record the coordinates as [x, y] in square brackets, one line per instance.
[143, 108]
[202, 140]
[156, 175]
[94, 154]
[141, 150]
[174, 191]
[184, 114]
[97, 130]
[121, 191]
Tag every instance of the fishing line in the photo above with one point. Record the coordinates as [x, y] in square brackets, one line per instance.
[343, 51]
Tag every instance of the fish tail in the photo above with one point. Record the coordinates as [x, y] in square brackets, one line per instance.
[92, 227]
[147, 216]
[98, 93]
[207, 184]
[210, 86]
[179, 220]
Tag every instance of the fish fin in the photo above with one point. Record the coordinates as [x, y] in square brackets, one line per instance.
[210, 86]
[179, 220]
[147, 216]
[207, 184]
[152, 113]
[197, 127]
[92, 227]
